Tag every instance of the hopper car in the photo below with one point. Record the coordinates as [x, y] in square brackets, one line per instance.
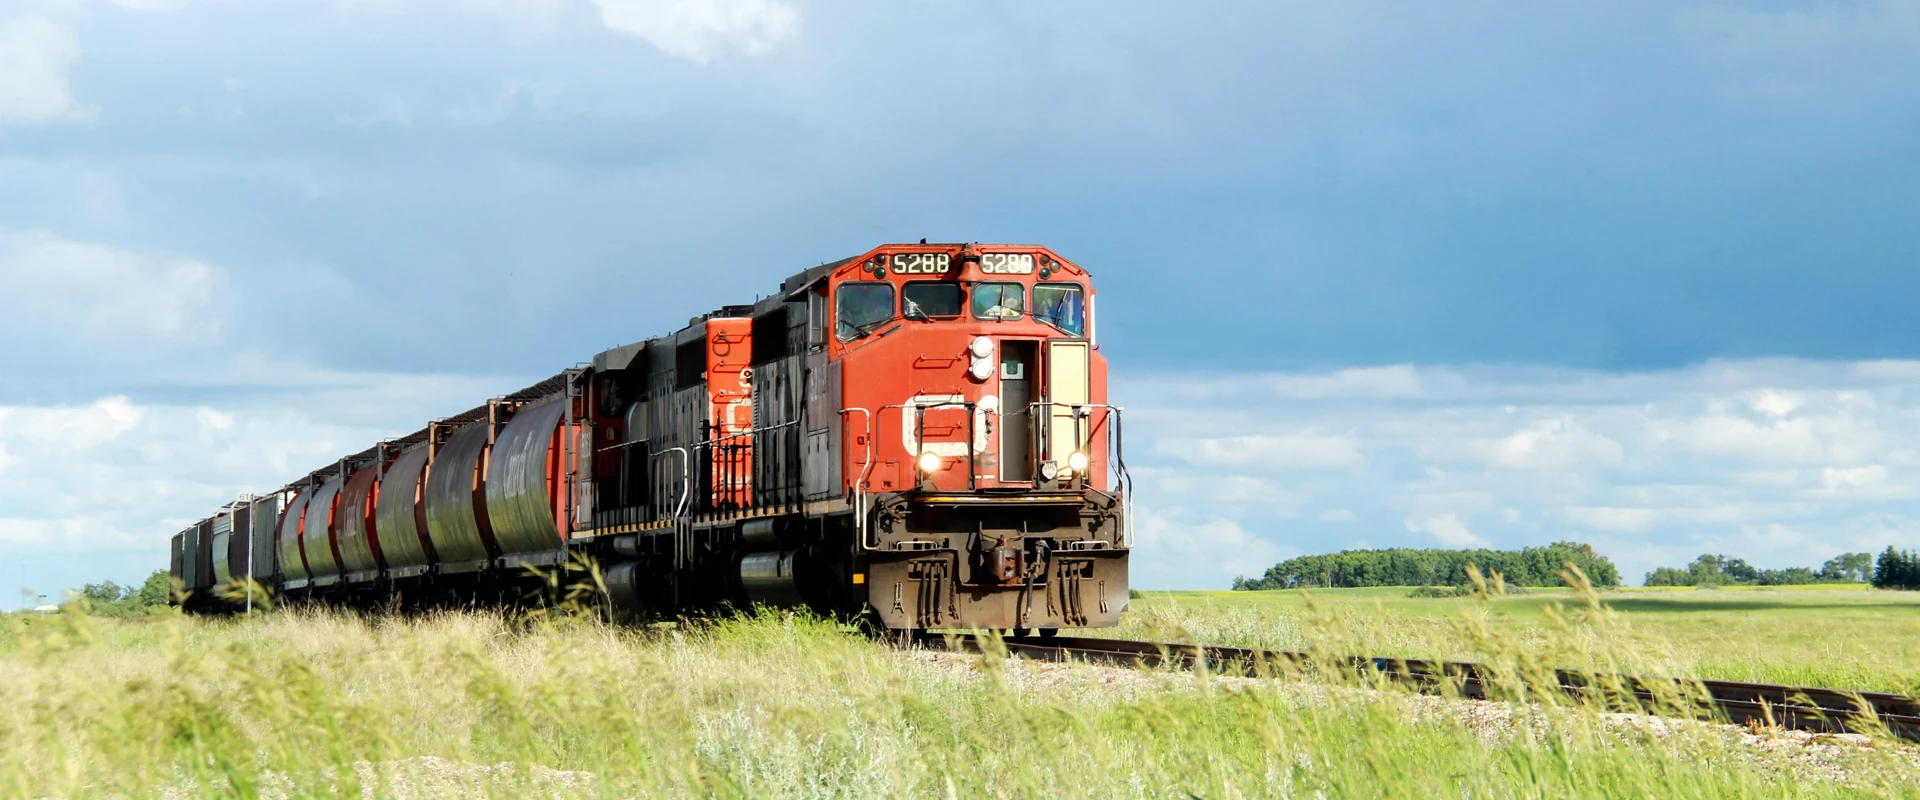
[919, 435]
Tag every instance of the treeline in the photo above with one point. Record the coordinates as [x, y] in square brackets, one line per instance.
[1531, 566]
[1722, 570]
[109, 599]
[1897, 569]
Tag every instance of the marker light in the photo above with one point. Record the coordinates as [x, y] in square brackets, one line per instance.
[981, 347]
[1049, 470]
[929, 462]
[1077, 462]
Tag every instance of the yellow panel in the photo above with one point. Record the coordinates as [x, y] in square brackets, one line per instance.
[1067, 381]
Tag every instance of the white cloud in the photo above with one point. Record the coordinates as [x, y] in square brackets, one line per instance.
[36, 57]
[1607, 518]
[703, 30]
[1775, 404]
[1178, 548]
[1283, 451]
[1800, 440]
[213, 419]
[1448, 529]
[1654, 467]
[72, 429]
[53, 288]
[1866, 477]
[1558, 443]
[115, 474]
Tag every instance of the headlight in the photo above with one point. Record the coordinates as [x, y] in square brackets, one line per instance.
[1049, 470]
[981, 370]
[929, 462]
[981, 347]
[1077, 462]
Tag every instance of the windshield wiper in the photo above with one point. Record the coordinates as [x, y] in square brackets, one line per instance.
[863, 331]
[1055, 325]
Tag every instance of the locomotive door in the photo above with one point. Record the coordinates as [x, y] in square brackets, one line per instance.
[1016, 420]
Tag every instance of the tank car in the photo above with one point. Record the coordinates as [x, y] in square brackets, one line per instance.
[920, 434]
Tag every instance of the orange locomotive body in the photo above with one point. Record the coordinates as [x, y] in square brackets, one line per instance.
[920, 434]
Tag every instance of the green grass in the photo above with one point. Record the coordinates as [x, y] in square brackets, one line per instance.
[324, 705]
[1840, 637]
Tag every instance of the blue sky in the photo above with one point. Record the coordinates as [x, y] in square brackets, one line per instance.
[1634, 273]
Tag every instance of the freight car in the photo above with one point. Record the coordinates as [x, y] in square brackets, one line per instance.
[920, 434]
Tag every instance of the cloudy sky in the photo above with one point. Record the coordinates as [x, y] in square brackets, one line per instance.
[1373, 274]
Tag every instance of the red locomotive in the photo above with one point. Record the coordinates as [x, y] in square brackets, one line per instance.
[920, 434]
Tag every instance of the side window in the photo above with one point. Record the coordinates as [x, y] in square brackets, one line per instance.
[1062, 305]
[861, 307]
[816, 320]
[931, 300]
[1002, 301]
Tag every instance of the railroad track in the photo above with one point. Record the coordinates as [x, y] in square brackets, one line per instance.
[1791, 707]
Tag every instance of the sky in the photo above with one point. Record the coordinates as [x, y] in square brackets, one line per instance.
[1372, 274]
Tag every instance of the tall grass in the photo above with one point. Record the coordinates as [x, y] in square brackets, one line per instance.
[312, 704]
[1840, 638]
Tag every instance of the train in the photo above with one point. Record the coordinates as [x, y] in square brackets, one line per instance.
[918, 436]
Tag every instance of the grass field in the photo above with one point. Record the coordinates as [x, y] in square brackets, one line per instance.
[1847, 637]
[326, 705]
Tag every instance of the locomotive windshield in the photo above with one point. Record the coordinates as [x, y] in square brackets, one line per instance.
[999, 301]
[1062, 305]
[862, 307]
[928, 300]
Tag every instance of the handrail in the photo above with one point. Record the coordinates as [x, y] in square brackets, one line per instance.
[920, 432]
[1123, 478]
[739, 434]
[860, 485]
[749, 439]
[686, 479]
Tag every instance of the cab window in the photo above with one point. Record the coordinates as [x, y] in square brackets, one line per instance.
[999, 301]
[1062, 305]
[931, 300]
[861, 307]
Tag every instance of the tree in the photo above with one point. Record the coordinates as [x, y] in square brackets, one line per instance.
[109, 599]
[1717, 569]
[157, 589]
[1668, 576]
[1848, 568]
[1707, 570]
[1897, 569]
[1738, 570]
[1531, 566]
[104, 593]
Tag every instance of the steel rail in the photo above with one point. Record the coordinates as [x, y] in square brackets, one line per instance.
[1791, 707]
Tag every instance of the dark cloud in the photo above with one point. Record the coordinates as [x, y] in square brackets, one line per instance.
[438, 188]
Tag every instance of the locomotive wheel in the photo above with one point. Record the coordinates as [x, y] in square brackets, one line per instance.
[1048, 633]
